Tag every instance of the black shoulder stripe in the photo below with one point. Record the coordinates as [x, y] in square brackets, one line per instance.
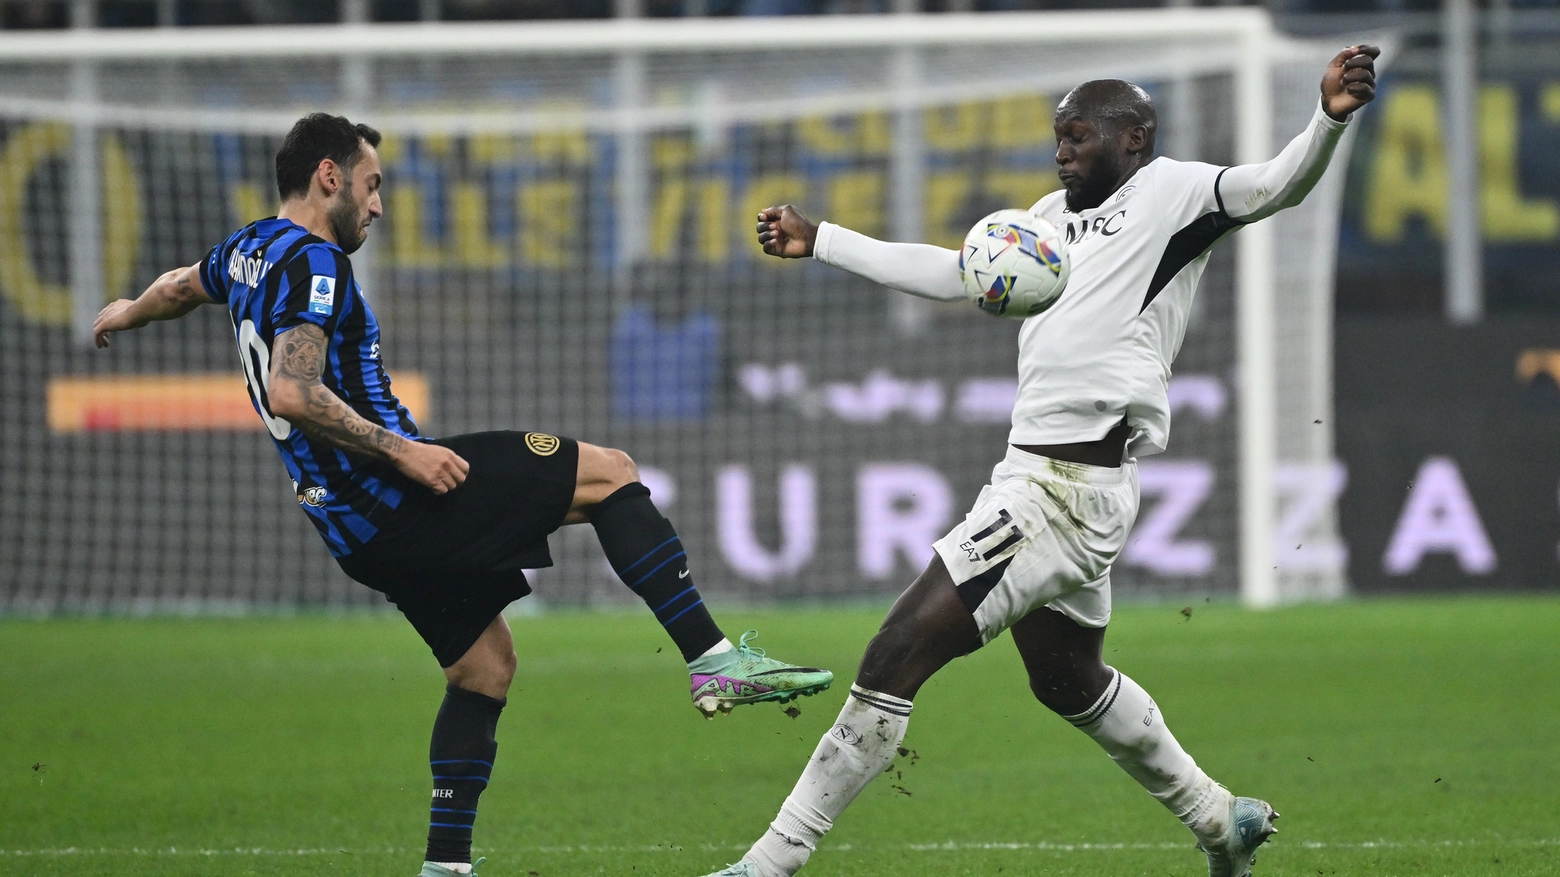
[273, 281]
[291, 253]
[343, 268]
[1184, 248]
[266, 244]
[297, 272]
[348, 308]
[1218, 196]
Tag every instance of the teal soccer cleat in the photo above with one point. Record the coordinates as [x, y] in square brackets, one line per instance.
[434, 869]
[1251, 824]
[744, 675]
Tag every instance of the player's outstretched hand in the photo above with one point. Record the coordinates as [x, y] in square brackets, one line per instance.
[117, 317]
[435, 467]
[785, 232]
[1349, 81]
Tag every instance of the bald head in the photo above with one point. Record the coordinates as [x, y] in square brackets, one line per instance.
[1104, 133]
[1112, 106]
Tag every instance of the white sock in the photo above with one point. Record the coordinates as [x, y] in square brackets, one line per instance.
[862, 744]
[723, 646]
[1127, 724]
[457, 867]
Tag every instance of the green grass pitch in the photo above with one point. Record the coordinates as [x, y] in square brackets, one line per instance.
[1396, 737]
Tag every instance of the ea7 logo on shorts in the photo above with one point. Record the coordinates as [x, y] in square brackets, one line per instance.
[314, 496]
[322, 294]
[542, 444]
[845, 734]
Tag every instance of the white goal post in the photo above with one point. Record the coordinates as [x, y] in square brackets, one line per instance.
[1228, 84]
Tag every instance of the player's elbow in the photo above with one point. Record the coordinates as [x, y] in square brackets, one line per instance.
[287, 399]
[181, 289]
[1265, 211]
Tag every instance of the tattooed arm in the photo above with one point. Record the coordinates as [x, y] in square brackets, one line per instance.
[169, 297]
[297, 395]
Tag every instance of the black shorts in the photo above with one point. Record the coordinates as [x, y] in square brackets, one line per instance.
[451, 563]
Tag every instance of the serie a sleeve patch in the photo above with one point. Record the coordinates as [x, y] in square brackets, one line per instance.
[322, 294]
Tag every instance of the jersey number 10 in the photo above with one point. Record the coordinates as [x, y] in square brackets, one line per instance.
[257, 372]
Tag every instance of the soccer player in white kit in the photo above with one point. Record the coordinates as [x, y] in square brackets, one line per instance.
[1034, 554]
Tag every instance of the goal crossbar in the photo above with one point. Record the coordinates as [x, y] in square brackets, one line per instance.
[653, 35]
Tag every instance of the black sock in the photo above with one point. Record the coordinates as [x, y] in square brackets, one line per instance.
[647, 555]
[461, 755]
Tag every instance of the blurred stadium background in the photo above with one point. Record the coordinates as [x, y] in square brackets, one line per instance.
[1366, 400]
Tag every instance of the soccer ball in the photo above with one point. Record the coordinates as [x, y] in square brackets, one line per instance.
[1014, 264]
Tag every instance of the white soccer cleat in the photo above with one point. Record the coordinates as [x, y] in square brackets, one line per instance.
[740, 869]
[434, 869]
[1251, 824]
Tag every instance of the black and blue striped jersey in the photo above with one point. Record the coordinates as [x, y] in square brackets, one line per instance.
[274, 275]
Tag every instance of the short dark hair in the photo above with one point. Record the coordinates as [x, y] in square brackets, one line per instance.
[313, 138]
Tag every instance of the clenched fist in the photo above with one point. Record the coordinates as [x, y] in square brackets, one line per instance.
[783, 231]
[1349, 81]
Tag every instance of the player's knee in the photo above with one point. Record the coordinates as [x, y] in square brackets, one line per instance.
[489, 665]
[1065, 691]
[1051, 691]
[623, 467]
[613, 468]
[501, 660]
[489, 672]
[900, 658]
[505, 663]
[889, 648]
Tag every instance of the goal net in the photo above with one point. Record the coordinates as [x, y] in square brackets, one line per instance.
[568, 247]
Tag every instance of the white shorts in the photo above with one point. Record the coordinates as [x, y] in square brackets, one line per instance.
[1043, 533]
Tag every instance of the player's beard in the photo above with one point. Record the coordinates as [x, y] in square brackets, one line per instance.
[345, 221]
[1095, 188]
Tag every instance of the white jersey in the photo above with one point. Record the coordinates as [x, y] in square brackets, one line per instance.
[1102, 353]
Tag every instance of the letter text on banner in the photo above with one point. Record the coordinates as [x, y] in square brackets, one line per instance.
[901, 509]
[1439, 517]
[798, 522]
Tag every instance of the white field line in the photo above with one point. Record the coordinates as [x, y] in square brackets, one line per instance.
[949, 846]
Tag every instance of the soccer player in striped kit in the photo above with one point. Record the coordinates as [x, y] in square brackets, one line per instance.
[443, 527]
[1034, 554]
